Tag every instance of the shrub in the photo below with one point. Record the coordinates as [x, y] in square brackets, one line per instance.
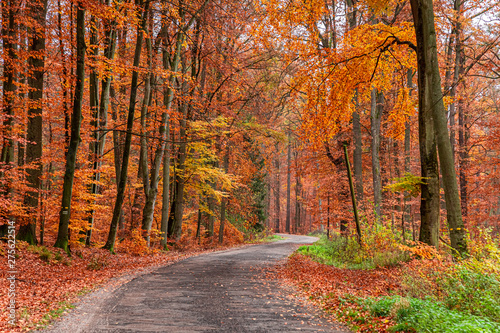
[471, 292]
[379, 249]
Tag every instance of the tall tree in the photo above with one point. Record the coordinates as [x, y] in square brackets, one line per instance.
[356, 117]
[141, 28]
[9, 38]
[376, 120]
[224, 202]
[431, 103]
[76, 120]
[36, 63]
[100, 118]
[277, 205]
[288, 182]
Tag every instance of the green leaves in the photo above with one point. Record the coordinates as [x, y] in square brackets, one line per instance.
[409, 184]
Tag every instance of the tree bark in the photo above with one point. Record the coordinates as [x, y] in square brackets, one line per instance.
[110, 243]
[36, 63]
[353, 196]
[356, 120]
[102, 116]
[376, 119]
[225, 200]
[407, 152]
[9, 37]
[277, 191]
[76, 120]
[288, 184]
[431, 102]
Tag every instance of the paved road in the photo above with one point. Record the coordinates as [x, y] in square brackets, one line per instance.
[217, 292]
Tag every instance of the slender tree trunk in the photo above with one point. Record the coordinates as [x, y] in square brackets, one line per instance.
[9, 37]
[76, 120]
[455, 36]
[36, 63]
[175, 225]
[431, 101]
[356, 119]
[166, 189]
[94, 123]
[288, 183]
[155, 170]
[353, 195]
[65, 86]
[277, 191]
[225, 200]
[298, 189]
[407, 152]
[463, 141]
[102, 117]
[376, 119]
[110, 243]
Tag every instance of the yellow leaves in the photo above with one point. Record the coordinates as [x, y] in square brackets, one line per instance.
[382, 6]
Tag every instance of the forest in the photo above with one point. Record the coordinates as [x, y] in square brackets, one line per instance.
[147, 126]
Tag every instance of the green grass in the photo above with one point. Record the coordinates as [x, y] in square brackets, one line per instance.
[273, 238]
[347, 253]
[47, 255]
[429, 316]
[263, 238]
[53, 314]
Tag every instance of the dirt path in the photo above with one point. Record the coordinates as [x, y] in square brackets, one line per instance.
[217, 292]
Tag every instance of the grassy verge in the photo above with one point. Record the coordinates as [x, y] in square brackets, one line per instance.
[385, 286]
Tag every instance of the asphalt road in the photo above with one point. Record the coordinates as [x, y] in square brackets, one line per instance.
[217, 292]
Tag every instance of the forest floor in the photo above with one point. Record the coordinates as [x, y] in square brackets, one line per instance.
[336, 290]
[48, 282]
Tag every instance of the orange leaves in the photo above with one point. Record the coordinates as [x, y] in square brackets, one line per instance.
[335, 69]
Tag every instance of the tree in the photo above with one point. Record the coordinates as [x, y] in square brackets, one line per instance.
[110, 243]
[434, 123]
[76, 120]
[36, 63]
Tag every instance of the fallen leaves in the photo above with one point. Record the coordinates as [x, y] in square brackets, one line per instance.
[45, 290]
[336, 289]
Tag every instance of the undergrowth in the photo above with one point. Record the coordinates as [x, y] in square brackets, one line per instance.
[428, 315]
[379, 249]
[437, 293]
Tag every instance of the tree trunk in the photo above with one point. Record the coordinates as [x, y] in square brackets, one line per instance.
[353, 196]
[298, 188]
[288, 183]
[277, 191]
[155, 170]
[376, 119]
[38, 11]
[431, 101]
[166, 189]
[76, 120]
[101, 118]
[9, 37]
[356, 120]
[407, 145]
[225, 200]
[110, 243]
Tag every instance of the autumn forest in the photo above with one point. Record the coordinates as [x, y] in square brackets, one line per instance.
[153, 125]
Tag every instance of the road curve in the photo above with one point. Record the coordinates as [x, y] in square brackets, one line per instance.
[216, 292]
